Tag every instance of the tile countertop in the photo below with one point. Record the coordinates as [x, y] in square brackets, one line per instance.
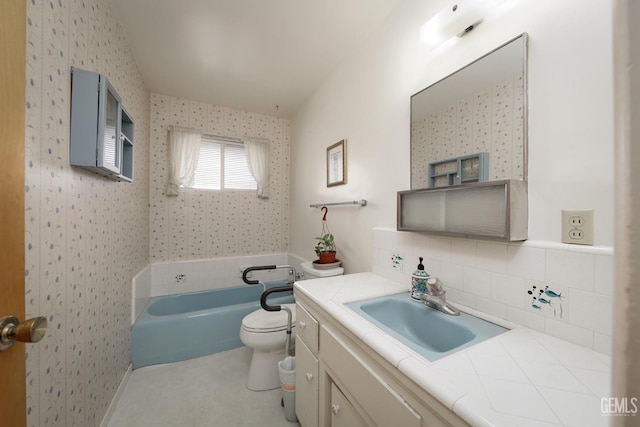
[522, 377]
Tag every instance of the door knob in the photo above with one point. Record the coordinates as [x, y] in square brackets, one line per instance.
[11, 330]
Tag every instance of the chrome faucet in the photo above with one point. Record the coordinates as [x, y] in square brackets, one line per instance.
[435, 298]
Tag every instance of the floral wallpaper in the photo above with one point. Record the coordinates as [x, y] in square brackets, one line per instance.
[490, 121]
[201, 224]
[86, 236]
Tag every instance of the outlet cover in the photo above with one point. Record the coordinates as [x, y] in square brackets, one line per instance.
[577, 226]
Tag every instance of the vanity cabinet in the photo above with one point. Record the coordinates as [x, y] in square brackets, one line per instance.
[343, 382]
[101, 138]
[307, 368]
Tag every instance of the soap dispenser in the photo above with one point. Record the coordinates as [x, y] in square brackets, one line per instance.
[419, 281]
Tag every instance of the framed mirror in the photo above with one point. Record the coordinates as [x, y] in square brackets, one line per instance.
[471, 126]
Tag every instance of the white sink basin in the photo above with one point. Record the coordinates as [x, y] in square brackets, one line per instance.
[428, 332]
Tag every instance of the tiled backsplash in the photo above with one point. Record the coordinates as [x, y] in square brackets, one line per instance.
[496, 278]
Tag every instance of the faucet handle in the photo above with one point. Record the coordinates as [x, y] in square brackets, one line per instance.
[434, 285]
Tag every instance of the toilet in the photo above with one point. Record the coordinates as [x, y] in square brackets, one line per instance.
[265, 332]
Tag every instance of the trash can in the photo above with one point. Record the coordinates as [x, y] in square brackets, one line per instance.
[287, 369]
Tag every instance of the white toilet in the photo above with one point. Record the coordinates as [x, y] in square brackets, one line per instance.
[265, 332]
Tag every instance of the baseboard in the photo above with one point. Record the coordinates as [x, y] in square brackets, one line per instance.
[116, 398]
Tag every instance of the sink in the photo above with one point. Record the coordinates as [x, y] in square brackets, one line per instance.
[428, 332]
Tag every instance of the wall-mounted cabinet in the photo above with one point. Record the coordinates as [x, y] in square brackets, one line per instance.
[488, 210]
[101, 129]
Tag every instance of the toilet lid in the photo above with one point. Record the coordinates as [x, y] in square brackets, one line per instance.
[269, 321]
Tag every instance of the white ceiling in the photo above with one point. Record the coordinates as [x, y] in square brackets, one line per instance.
[246, 54]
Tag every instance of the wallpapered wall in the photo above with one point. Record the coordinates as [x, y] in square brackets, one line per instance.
[489, 121]
[200, 224]
[86, 236]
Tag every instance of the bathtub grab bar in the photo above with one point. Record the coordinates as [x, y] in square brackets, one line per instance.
[248, 270]
[267, 307]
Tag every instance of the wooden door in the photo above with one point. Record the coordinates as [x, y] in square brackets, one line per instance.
[12, 263]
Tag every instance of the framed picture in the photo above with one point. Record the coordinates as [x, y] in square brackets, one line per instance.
[337, 164]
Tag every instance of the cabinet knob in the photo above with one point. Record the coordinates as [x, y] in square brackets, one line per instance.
[302, 325]
[335, 408]
[309, 376]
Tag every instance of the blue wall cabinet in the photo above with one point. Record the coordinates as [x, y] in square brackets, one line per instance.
[101, 129]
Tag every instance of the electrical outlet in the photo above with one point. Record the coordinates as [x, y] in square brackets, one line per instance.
[577, 226]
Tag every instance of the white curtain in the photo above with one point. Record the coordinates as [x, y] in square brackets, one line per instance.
[259, 159]
[184, 149]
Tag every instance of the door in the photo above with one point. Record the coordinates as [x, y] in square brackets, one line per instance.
[12, 264]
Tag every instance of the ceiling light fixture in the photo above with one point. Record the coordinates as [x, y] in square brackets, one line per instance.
[457, 20]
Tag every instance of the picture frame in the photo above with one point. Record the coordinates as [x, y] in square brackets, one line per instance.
[337, 163]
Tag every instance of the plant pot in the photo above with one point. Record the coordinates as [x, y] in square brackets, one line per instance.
[326, 257]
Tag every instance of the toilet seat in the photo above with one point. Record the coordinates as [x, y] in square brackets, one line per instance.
[262, 321]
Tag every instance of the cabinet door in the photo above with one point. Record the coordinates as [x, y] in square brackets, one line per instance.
[343, 414]
[306, 386]
[109, 149]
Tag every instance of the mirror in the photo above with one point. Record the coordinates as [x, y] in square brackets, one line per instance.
[471, 126]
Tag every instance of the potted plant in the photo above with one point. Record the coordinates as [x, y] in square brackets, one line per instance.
[326, 249]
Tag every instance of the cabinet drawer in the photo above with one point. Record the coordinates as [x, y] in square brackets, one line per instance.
[307, 328]
[380, 402]
[306, 386]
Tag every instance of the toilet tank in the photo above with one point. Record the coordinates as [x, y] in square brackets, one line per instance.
[310, 272]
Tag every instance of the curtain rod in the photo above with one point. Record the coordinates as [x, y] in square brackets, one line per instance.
[207, 135]
[352, 202]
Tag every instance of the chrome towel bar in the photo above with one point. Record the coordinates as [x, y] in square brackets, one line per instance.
[362, 202]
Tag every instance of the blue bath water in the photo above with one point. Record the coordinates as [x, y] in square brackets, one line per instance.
[179, 327]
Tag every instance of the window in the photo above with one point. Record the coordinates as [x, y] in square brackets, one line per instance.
[223, 166]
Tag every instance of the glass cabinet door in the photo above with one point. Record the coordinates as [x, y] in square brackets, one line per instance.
[110, 147]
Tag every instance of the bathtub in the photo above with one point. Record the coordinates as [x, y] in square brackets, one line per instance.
[172, 328]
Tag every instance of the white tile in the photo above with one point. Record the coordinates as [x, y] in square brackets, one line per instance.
[604, 279]
[420, 244]
[603, 343]
[509, 290]
[478, 411]
[550, 375]
[387, 348]
[520, 344]
[399, 241]
[431, 380]
[525, 318]
[378, 238]
[461, 297]
[528, 263]
[572, 269]
[570, 354]
[591, 311]
[492, 257]
[463, 252]
[529, 403]
[452, 276]
[491, 307]
[477, 281]
[598, 382]
[568, 332]
[440, 249]
[497, 367]
[583, 411]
